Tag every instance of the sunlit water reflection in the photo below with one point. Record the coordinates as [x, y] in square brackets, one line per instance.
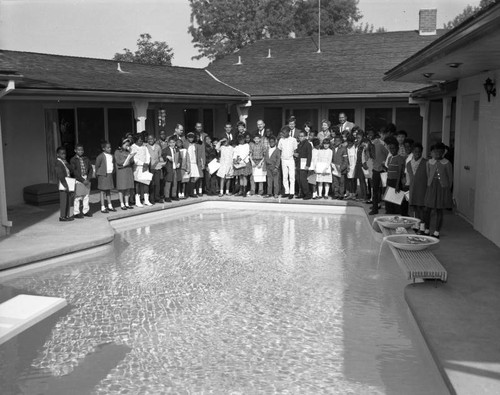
[233, 302]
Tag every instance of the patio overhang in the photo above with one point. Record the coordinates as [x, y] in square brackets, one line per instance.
[471, 48]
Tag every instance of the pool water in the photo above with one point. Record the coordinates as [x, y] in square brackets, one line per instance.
[225, 300]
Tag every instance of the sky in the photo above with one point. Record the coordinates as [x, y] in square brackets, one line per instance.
[100, 28]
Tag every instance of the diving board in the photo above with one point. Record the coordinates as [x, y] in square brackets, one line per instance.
[23, 311]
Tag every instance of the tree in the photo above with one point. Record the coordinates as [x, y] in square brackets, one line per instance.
[366, 28]
[148, 52]
[220, 27]
[466, 13]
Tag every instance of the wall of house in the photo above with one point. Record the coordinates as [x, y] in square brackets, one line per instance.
[23, 134]
[487, 188]
[315, 111]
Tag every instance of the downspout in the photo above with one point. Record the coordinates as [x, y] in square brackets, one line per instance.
[5, 223]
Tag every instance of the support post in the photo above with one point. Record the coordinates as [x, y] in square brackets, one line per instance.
[424, 113]
[140, 114]
[446, 128]
[4, 221]
[243, 111]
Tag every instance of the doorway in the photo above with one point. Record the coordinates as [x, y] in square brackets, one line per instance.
[466, 167]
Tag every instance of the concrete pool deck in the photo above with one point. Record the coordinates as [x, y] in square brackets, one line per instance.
[459, 320]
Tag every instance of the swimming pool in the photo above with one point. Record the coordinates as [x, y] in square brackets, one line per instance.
[225, 298]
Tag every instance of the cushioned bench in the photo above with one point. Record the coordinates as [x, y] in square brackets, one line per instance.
[40, 194]
[415, 264]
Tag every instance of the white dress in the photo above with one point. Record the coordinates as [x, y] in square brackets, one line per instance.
[195, 172]
[323, 167]
[352, 157]
[226, 162]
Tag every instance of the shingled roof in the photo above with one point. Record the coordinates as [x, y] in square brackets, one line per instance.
[347, 64]
[63, 73]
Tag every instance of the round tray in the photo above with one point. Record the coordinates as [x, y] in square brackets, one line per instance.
[401, 242]
[405, 222]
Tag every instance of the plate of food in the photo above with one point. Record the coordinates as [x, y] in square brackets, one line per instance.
[397, 221]
[411, 243]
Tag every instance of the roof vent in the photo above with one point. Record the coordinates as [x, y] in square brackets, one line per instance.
[269, 53]
[427, 22]
[239, 61]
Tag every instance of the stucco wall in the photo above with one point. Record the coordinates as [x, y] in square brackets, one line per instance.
[487, 195]
[25, 160]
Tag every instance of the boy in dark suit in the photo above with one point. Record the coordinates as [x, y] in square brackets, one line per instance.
[82, 170]
[304, 155]
[62, 171]
[273, 159]
[339, 167]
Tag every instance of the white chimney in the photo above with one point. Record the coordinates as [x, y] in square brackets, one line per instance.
[427, 22]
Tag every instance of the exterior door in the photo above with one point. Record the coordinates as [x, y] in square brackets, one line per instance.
[468, 156]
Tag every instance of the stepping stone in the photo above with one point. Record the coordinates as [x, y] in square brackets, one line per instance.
[23, 311]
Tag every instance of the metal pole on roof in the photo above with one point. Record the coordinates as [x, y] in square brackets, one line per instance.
[319, 26]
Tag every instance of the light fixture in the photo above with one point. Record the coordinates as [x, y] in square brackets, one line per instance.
[454, 65]
[489, 87]
[428, 75]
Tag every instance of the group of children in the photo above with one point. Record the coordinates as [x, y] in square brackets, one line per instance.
[330, 164]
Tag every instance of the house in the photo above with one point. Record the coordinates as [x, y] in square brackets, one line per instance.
[463, 66]
[50, 100]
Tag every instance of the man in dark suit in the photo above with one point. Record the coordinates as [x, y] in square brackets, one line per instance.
[344, 124]
[261, 129]
[294, 132]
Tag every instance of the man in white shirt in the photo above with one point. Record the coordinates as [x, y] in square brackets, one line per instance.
[287, 145]
[344, 124]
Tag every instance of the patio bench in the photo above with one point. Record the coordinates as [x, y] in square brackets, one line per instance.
[415, 264]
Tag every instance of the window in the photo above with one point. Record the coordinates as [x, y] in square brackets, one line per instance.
[208, 121]
[120, 122]
[91, 130]
[195, 115]
[377, 118]
[333, 115]
[273, 119]
[409, 120]
[67, 136]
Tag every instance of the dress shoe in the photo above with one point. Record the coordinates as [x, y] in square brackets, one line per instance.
[167, 200]
[88, 214]
[373, 212]
[111, 209]
[105, 211]
[290, 196]
[79, 215]
[175, 198]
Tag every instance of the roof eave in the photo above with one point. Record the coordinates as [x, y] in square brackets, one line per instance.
[469, 31]
[346, 96]
[123, 95]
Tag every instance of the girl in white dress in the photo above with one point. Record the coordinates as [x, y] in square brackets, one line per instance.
[141, 165]
[226, 170]
[351, 157]
[323, 168]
